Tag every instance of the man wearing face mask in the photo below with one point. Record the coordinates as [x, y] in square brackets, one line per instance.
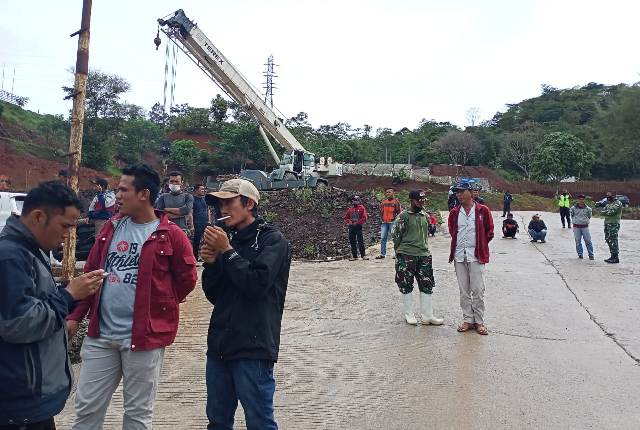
[245, 277]
[612, 211]
[177, 204]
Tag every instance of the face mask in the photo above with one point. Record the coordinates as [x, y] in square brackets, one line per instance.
[174, 188]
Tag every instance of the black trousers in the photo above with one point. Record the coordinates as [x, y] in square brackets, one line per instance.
[509, 232]
[356, 239]
[565, 213]
[49, 424]
[506, 208]
[197, 237]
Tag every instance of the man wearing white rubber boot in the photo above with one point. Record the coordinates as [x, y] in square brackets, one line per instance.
[413, 260]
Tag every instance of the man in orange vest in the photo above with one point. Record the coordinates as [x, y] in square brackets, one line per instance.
[390, 208]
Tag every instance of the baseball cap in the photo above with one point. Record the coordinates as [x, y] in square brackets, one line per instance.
[234, 188]
[460, 186]
[101, 181]
[417, 195]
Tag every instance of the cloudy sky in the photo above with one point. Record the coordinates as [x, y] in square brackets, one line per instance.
[387, 63]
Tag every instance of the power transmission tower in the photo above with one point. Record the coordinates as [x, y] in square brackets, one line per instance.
[269, 74]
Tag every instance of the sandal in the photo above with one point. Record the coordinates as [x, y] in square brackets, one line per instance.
[465, 326]
[482, 329]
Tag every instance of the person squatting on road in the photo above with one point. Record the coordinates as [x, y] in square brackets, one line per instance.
[581, 215]
[134, 315]
[390, 208]
[35, 372]
[471, 229]
[537, 229]
[564, 203]
[245, 277]
[355, 217]
[612, 214]
[510, 227]
[413, 259]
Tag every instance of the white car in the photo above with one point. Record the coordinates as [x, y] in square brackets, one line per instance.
[10, 204]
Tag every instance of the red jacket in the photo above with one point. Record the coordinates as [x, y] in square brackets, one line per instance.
[167, 274]
[484, 231]
[361, 212]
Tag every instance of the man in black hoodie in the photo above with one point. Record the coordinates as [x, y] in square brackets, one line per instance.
[245, 277]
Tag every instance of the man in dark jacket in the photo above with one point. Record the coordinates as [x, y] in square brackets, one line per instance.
[35, 371]
[245, 278]
[506, 203]
[537, 229]
[201, 216]
[509, 227]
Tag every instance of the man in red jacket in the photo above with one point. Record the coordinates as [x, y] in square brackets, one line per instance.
[471, 229]
[135, 314]
[355, 217]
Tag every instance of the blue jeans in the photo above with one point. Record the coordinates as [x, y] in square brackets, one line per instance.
[579, 234]
[247, 380]
[538, 235]
[385, 229]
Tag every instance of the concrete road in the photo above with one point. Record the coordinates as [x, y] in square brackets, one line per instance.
[562, 352]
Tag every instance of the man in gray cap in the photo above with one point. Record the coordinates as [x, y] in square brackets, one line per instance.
[245, 277]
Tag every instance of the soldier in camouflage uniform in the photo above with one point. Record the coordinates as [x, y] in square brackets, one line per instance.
[612, 211]
[413, 259]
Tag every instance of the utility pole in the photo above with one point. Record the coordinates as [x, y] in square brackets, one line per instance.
[77, 126]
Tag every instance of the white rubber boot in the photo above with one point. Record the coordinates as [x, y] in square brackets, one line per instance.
[409, 316]
[426, 311]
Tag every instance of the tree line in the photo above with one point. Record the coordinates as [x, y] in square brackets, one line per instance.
[588, 131]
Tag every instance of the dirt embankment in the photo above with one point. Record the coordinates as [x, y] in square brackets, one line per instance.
[26, 171]
[313, 220]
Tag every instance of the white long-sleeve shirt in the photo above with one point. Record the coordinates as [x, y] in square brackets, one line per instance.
[466, 240]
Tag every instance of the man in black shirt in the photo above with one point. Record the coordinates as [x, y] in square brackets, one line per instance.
[509, 227]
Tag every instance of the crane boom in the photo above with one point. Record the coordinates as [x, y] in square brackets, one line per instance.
[202, 51]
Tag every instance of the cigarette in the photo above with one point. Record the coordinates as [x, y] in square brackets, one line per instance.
[223, 218]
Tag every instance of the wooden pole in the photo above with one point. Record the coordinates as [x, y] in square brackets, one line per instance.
[77, 126]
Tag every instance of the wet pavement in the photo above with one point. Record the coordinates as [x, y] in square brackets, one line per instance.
[562, 351]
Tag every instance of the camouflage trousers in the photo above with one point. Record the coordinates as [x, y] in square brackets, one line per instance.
[611, 237]
[409, 267]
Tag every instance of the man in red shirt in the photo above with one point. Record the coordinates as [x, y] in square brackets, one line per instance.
[390, 208]
[134, 315]
[355, 217]
[471, 229]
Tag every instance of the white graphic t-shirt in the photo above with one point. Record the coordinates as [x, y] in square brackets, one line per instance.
[119, 290]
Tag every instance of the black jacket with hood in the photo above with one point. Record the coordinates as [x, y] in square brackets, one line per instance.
[247, 286]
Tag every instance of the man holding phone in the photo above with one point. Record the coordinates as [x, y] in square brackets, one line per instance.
[135, 314]
[35, 371]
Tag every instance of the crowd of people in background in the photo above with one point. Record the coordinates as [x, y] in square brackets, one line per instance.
[143, 265]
